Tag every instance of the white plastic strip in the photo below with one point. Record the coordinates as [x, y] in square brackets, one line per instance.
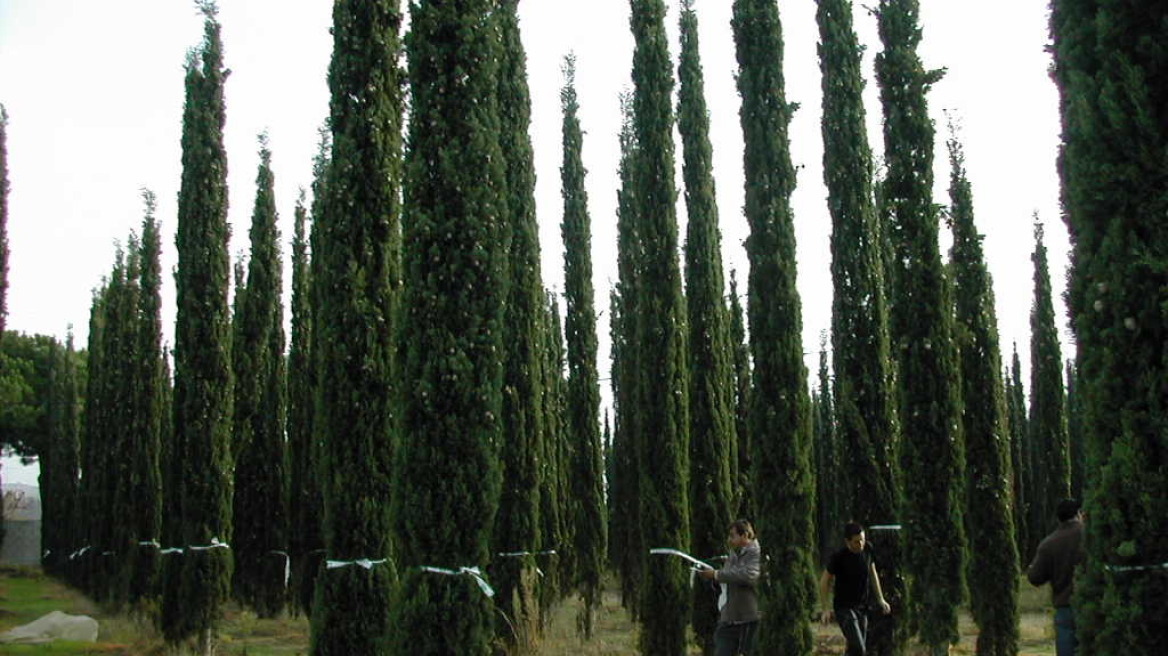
[1135, 568]
[287, 565]
[80, 552]
[697, 564]
[472, 572]
[149, 543]
[360, 562]
[885, 527]
[215, 544]
[170, 550]
[517, 554]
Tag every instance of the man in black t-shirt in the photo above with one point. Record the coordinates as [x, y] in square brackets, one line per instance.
[854, 575]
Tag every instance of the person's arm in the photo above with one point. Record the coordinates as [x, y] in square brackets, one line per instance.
[742, 571]
[884, 607]
[824, 598]
[1039, 571]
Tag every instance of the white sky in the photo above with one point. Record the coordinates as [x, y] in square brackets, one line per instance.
[94, 94]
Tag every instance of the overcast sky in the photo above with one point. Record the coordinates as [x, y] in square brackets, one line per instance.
[94, 94]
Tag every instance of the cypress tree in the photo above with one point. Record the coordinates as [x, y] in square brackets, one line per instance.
[1019, 456]
[862, 361]
[922, 329]
[553, 495]
[1110, 68]
[94, 504]
[663, 403]
[517, 528]
[203, 385]
[60, 461]
[1048, 420]
[827, 458]
[993, 564]
[447, 481]
[626, 534]
[583, 391]
[3, 221]
[711, 372]
[305, 540]
[359, 278]
[1075, 435]
[148, 390]
[260, 523]
[743, 495]
[780, 420]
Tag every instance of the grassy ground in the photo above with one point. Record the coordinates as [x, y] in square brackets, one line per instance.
[26, 594]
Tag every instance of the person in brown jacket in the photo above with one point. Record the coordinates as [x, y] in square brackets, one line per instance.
[1054, 563]
[738, 615]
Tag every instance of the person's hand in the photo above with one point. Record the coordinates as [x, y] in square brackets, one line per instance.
[708, 574]
[826, 617]
[884, 607]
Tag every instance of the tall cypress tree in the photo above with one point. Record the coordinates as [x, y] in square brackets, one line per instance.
[827, 459]
[922, 330]
[359, 273]
[663, 403]
[447, 471]
[1110, 68]
[626, 534]
[305, 539]
[517, 528]
[1048, 419]
[3, 219]
[554, 497]
[743, 494]
[94, 502]
[1019, 456]
[261, 492]
[989, 520]
[1075, 433]
[202, 361]
[148, 390]
[711, 360]
[862, 361]
[780, 420]
[587, 472]
[60, 461]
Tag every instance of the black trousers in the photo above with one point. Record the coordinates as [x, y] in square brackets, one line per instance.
[735, 639]
[854, 623]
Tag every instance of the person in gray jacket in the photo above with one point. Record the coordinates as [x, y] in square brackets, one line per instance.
[738, 605]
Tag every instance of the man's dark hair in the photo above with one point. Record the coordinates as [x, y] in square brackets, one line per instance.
[1067, 509]
[852, 529]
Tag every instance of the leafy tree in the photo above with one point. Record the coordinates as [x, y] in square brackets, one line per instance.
[827, 459]
[780, 419]
[1048, 419]
[517, 527]
[555, 496]
[60, 460]
[711, 364]
[862, 360]
[24, 385]
[743, 499]
[357, 270]
[922, 330]
[1019, 456]
[663, 403]
[583, 392]
[989, 519]
[201, 455]
[1075, 434]
[1111, 73]
[261, 482]
[447, 471]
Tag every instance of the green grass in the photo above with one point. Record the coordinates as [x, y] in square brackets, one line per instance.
[26, 594]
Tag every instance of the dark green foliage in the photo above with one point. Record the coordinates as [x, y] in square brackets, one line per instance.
[741, 463]
[1019, 456]
[922, 337]
[517, 527]
[659, 339]
[583, 394]
[60, 461]
[555, 496]
[862, 361]
[780, 418]
[989, 519]
[447, 472]
[148, 381]
[828, 496]
[1048, 419]
[357, 275]
[24, 385]
[1110, 65]
[626, 537]
[305, 536]
[200, 472]
[3, 221]
[711, 359]
[260, 523]
[1075, 433]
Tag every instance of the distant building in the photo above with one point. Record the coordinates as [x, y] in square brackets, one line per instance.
[22, 525]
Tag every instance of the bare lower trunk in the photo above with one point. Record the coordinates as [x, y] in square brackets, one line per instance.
[206, 642]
